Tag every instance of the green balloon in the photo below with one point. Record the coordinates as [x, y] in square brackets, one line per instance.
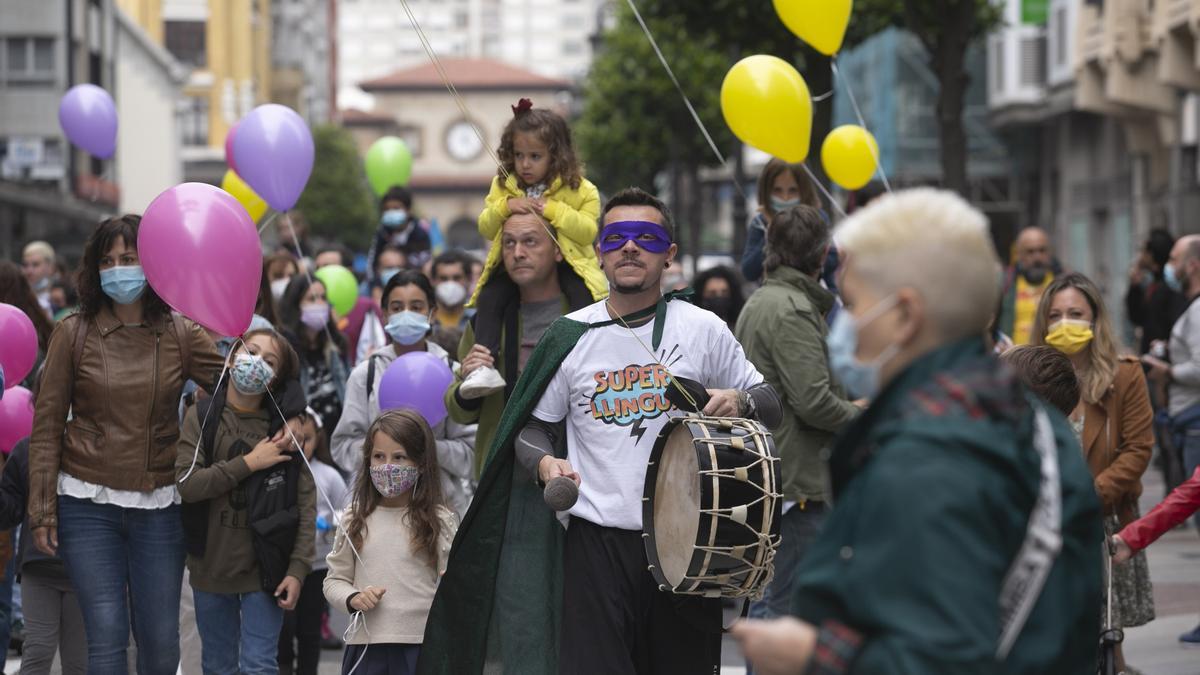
[341, 288]
[389, 162]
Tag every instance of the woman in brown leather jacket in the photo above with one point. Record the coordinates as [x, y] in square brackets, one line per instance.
[1113, 420]
[102, 483]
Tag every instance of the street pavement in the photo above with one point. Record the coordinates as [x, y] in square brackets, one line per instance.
[1153, 649]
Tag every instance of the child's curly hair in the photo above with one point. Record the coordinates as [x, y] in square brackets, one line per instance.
[549, 128]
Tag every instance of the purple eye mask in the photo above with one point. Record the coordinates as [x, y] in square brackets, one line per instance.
[614, 236]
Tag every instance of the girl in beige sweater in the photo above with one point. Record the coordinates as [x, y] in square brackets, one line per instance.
[392, 547]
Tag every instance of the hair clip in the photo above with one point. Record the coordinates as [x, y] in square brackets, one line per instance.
[523, 106]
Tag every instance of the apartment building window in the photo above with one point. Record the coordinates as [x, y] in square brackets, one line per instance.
[186, 41]
[572, 48]
[193, 121]
[1060, 37]
[28, 59]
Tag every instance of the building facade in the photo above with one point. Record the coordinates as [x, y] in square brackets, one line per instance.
[452, 166]
[547, 37]
[226, 44]
[1099, 102]
[304, 58]
[49, 189]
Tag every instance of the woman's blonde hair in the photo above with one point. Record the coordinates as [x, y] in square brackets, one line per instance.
[1102, 352]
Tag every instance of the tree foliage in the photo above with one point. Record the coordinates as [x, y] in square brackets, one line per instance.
[634, 123]
[944, 27]
[336, 202]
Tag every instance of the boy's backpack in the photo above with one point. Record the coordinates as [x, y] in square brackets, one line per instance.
[272, 508]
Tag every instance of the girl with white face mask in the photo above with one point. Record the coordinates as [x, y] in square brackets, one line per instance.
[409, 306]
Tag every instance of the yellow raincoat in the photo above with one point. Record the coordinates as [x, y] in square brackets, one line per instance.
[574, 214]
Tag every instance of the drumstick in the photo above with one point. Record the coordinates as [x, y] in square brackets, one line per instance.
[560, 493]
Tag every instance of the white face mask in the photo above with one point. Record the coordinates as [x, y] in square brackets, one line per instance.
[450, 293]
[278, 287]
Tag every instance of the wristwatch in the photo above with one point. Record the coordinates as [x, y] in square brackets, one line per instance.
[746, 404]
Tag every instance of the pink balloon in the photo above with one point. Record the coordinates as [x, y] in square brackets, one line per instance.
[201, 254]
[229, 161]
[16, 417]
[18, 345]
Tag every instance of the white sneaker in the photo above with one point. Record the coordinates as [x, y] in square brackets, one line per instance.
[480, 383]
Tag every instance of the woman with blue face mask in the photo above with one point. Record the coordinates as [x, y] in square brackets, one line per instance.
[780, 186]
[409, 305]
[102, 484]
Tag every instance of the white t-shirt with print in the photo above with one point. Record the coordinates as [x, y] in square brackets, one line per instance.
[612, 396]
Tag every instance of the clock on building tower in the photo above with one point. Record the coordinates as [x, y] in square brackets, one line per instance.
[462, 142]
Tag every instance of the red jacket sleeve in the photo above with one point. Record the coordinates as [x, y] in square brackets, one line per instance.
[1181, 503]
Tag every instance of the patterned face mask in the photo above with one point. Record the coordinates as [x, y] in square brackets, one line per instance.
[393, 480]
[251, 374]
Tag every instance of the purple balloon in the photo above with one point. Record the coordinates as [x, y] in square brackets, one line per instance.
[18, 345]
[202, 255]
[417, 380]
[273, 152]
[88, 117]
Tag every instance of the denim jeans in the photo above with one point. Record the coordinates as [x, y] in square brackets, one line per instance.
[239, 632]
[797, 531]
[120, 560]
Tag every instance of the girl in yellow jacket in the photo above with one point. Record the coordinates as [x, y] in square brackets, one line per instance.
[540, 174]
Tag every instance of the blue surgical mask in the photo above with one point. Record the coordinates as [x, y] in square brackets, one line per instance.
[394, 218]
[778, 205]
[123, 284]
[407, 328]
[386, 274]
[860, 379]
[1172, 278]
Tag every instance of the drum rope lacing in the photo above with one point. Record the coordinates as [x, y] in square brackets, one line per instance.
[766, 544]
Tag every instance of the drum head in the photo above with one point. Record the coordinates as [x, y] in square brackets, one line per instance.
[677, 505]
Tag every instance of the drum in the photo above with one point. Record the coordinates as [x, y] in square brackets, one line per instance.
[711, 507]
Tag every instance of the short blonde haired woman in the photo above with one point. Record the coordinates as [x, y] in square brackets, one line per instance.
[1113, 420]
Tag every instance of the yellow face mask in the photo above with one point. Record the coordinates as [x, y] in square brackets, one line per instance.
[1070, 336]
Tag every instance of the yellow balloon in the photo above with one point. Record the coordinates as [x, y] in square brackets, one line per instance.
[248, 198]
[850, 156]
[766, 103]
[820, 23]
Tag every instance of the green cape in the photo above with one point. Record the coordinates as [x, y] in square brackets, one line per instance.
[501, 596]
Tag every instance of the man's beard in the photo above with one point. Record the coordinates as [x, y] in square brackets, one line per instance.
[1035, 275]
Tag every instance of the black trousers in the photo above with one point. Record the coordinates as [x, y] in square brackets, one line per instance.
[302, 627]
[616, 621]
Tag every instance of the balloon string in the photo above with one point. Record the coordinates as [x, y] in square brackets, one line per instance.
[308, 273]
[357, 619]
[686, 101]
[462, 107]
[837, 77]
[267, 221]
[207, 411]
[820, 186]
[98, 180]
[822, 97]
[441, 70]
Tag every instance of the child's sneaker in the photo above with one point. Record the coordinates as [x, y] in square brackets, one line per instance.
[481, 382]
